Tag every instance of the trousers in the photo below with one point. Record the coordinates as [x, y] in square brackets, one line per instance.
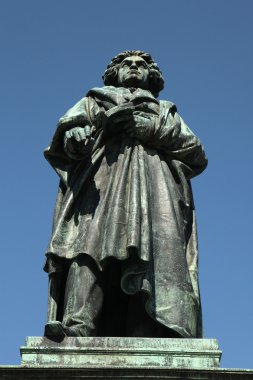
[95, 305]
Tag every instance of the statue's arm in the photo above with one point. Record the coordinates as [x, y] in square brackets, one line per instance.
[73, 137]
[81, 115]
[173, 135]
[168, 132]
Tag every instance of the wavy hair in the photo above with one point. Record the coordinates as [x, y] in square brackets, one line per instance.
[156, 81]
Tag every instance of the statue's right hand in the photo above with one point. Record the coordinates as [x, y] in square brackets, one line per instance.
[76, 140]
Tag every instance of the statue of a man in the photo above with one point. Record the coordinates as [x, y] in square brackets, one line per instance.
[122, 258]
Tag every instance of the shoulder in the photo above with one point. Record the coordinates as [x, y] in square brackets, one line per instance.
[105, 90]
[167, 105]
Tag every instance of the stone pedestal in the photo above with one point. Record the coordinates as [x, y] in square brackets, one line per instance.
[121, 352]
[121, 359]
[71, 373]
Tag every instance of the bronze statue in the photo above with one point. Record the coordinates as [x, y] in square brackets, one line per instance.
[122, 259]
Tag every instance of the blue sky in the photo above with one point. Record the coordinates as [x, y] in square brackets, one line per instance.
[53, 52]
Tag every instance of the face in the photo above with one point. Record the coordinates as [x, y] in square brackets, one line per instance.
[133, 72]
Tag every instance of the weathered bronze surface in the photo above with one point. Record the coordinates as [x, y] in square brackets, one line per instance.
[122, 259]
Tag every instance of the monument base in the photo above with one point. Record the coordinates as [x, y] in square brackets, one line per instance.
[121, 359]
[111, 352]
[47, 373]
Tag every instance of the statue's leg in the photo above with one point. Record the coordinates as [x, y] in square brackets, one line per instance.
[83, 298]
[140, 324]
[53, 326]
[54, 287]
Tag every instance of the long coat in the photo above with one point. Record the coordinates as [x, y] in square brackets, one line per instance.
[132, 201]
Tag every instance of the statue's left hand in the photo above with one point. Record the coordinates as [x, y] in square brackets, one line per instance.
[142, 126]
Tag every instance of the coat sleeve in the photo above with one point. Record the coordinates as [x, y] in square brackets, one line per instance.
[82, 113]
[179, 142]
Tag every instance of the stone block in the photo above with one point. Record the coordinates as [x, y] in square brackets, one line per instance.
[68, 373]
[117, 352]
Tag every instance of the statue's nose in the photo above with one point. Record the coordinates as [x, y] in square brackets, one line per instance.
[133, 65]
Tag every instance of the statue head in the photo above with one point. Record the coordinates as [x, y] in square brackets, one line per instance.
[134, 68]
